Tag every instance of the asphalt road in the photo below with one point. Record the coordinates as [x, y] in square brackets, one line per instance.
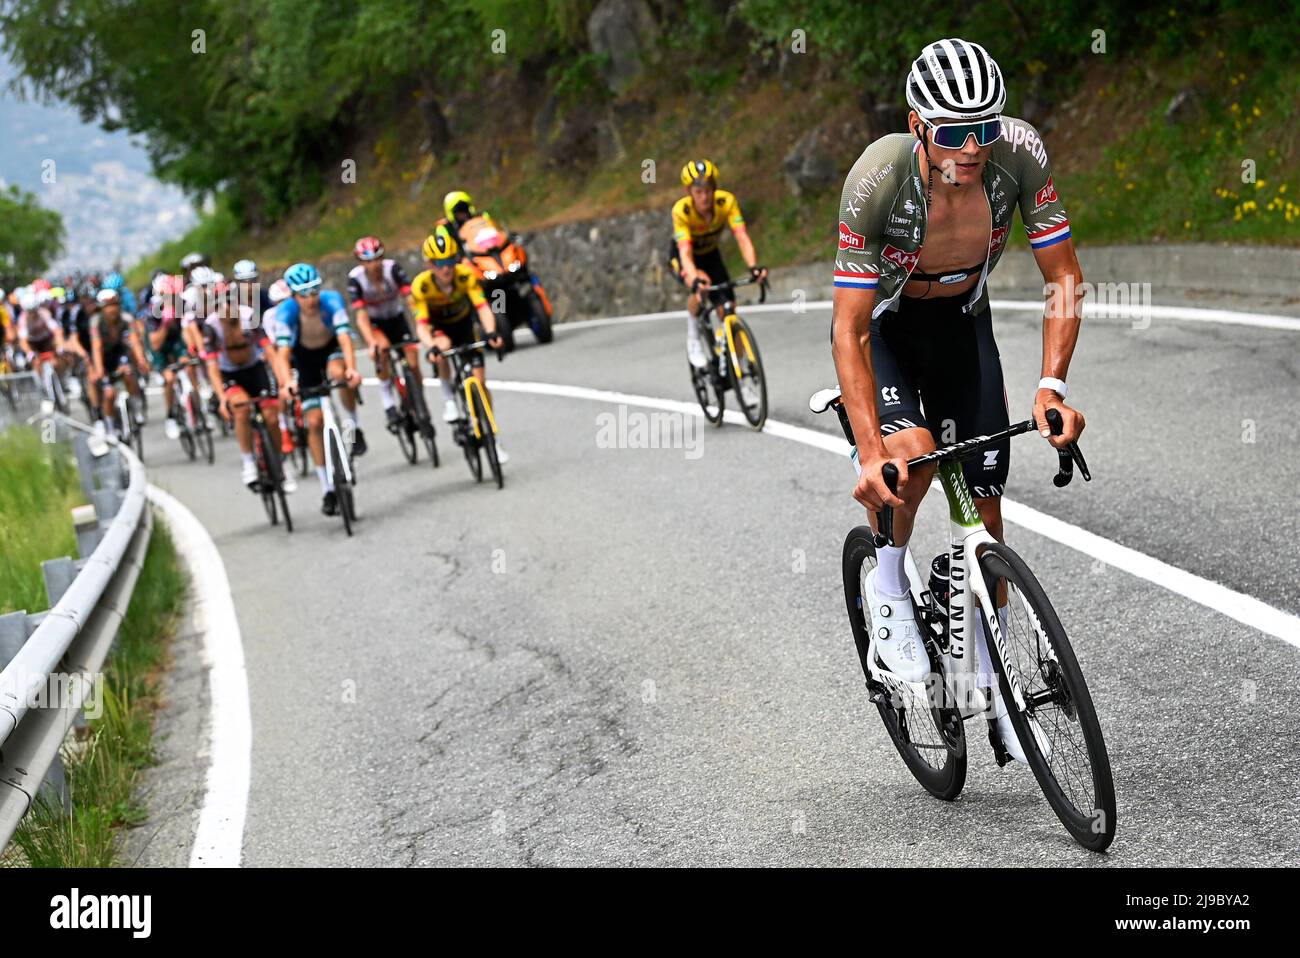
[640, 656]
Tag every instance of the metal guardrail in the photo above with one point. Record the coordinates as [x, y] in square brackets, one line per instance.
[51, 659]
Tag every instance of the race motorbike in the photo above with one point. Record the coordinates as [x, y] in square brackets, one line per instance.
[502, 266]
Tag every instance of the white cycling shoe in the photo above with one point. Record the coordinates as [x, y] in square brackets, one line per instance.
[502, 456]
[289, 484]
[695, 352]
[248, 474]
[449, 411]
[897, 635]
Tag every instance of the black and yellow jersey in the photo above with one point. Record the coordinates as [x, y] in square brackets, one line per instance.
[689, 225]
[431, 305]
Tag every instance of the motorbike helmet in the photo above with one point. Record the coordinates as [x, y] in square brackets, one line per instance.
[458, 201]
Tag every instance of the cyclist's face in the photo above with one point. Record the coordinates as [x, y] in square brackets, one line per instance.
[308, 301]
[374, 268]
[443, 274]
[702, 197]
[960, 166]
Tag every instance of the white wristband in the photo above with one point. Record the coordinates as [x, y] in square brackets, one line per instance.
[1056, 385]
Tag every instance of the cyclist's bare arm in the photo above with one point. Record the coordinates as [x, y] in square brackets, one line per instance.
[487, 319]
[851, 351]
[284, 368]
[362, 317]
[746, 245]
[687, 258]
[1062, 316]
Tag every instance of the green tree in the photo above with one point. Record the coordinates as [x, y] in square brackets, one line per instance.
[32, 236]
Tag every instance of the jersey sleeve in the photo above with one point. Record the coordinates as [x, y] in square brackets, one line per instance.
[355, 295]
[864, 204]
[419, 294]
[399, 279]
[681, 223]
[734, 217]
[473, 289]
[286, 322]
[1041, 210]
[332, 305]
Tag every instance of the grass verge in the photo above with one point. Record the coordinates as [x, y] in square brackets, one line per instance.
[104, 761]
[38, 489]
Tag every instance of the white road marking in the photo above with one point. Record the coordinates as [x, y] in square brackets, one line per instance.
[1090, 310]
[1235, 605]
[219, 839]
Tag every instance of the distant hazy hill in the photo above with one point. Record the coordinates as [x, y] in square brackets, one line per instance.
[113, 209]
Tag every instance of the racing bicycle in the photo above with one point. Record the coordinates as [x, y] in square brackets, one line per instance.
[475, 429]
[338, 461]
[1039, 677]
[415, 422]
[195, 430]
[736, 365]
[270, 467]
[126, 412]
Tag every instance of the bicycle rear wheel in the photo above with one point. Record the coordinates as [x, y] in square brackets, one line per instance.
[202, 429]
[925, 729]
[265, 478]
[489, 438]
[1059, 731]
[747, 377]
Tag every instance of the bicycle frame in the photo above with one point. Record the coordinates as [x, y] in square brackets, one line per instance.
[470, 383]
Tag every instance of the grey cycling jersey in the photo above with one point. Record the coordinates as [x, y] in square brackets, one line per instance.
[883, 211]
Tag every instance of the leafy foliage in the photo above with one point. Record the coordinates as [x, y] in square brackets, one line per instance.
[32, 236]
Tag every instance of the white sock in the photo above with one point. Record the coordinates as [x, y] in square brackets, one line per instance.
[284, 423]
[446, 391]
[351, 416]
[891, 576]
[987, 671]
[386, 394]
[247, 458]
[324, 478]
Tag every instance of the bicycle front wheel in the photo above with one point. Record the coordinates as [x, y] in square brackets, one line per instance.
[747, 377]
[1058, 729]
[925, 728]
[342, 488]
[489, 439]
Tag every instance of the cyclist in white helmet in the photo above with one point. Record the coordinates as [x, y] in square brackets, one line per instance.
[924, 217]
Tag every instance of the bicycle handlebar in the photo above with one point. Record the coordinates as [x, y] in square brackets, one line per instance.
[733, 284]
[1068, 458]
[434, 352]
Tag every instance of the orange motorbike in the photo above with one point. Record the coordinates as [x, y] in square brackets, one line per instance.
[502, 266]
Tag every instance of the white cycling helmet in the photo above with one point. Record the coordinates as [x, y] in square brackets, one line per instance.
[245, 271]
[203, 276]
[955, 78]
[278, 292]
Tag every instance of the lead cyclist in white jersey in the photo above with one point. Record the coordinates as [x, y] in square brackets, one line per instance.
[924, 217]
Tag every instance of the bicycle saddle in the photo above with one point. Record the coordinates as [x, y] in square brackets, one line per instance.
[823, 399]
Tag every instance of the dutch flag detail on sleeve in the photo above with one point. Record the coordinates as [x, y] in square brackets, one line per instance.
[1049, 237]
[851, 280]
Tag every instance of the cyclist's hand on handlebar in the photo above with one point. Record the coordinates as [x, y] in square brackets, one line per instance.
[352, 378]
[1071, 419]
[871, 490]
[432, 353]
[494, 339]
[758, 272]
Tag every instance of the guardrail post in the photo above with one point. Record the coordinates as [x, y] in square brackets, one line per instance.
[85, 467]
[15, 628]
[59, 574]
[86, 522]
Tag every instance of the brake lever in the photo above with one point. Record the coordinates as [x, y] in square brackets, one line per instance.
[885, 517]
[1068, 457]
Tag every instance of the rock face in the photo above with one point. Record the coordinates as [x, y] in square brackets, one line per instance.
[599, 267]
[811, 163]
[623, 32]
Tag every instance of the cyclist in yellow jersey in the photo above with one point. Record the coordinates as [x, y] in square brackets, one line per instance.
[445, 299]
[694, 256]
